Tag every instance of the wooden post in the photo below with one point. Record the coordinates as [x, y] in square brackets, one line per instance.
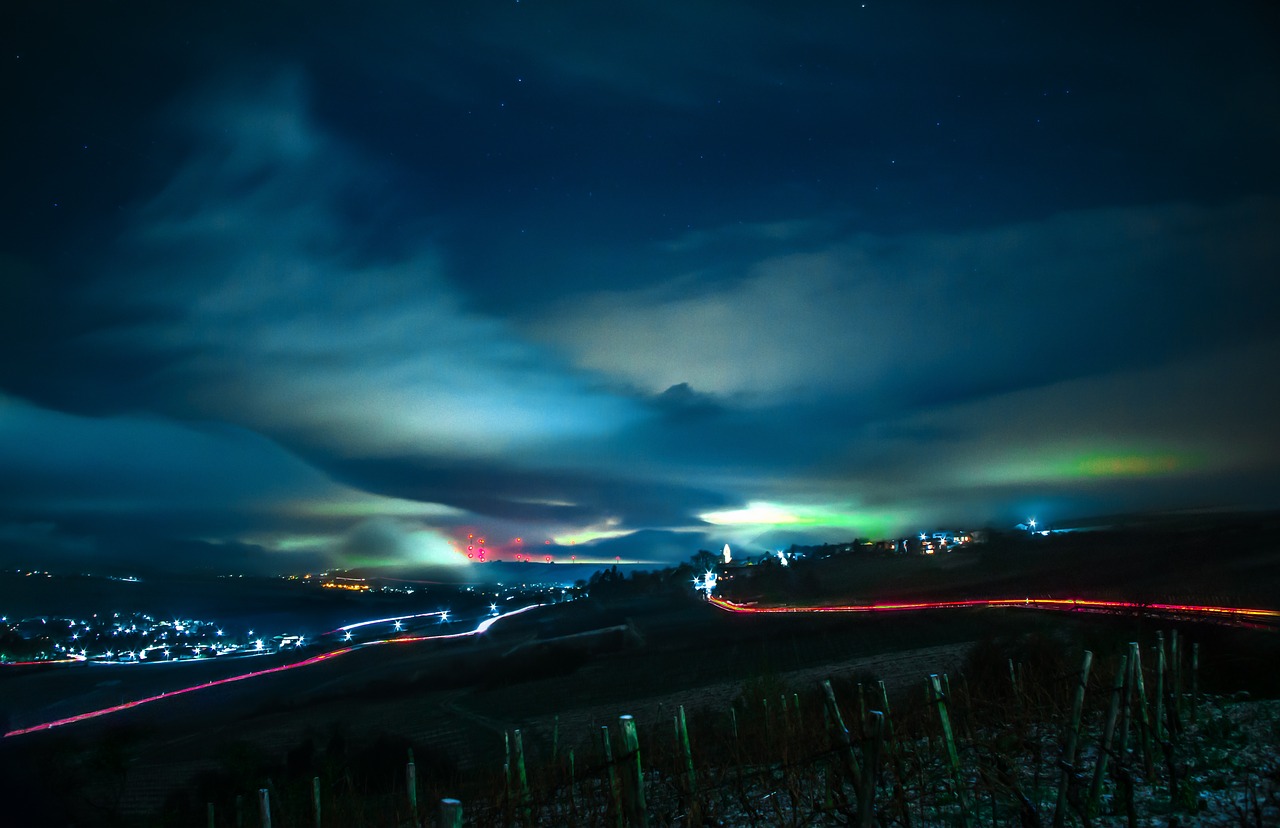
[450, 813]
[687, 750]
[953, 756]
[1122, 742]
[1144, 718]
[870, 765]
[1100, 770]
[615, 791]
[411, 783]
[891, 745]
[208, 815]
[1195, 681]
[521, 777]
[1175, 665]
[315, 798]
[1173, 691]
[1159, 694]
[840, 736]
[573, 789]
[733, 723]
[264, 807]
[1069, 749]
[239, 811]
[632, 775]
[555, 739]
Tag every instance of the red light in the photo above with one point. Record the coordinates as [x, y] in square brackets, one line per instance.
[548, 559]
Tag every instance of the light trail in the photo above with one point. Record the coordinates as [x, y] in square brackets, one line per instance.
[1033, 603]
[482, 627]
[385, 620]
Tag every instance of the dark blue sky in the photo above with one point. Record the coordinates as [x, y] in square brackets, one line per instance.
[288, 284]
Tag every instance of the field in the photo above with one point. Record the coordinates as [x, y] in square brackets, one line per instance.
[351, 722]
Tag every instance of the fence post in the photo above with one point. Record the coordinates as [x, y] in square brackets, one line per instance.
[1117, 687]
[315, 798]
[871, 762]
[264, 807]
[632, 775]
[450, 813]
[615, 793]
[522, 777]
[1144, 723]
[1069, 750]
[1159, 694]
[411, 782]
[208, 813]
[239, 811]
[1195, 681]
[840, 736]
[953, 756]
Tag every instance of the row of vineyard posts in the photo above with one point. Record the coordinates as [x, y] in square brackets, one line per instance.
[1012, 751]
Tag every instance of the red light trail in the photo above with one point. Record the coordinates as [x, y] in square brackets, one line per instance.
[93, 714]
[1238, 613]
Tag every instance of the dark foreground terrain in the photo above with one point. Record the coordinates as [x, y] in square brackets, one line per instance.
[654, 648]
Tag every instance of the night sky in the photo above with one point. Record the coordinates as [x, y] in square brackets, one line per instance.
[288, 285]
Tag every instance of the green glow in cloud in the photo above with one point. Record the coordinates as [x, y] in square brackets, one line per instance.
[1124, 465]
[766, 516]
[1048, 467]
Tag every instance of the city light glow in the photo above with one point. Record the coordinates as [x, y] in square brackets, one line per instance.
[480, 629]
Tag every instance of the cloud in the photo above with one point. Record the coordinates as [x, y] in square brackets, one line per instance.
[282, 311]
[921, 316]
[384, 541]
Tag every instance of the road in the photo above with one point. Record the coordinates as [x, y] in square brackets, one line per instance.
[395, 625]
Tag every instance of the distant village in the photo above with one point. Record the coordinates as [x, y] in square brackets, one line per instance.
[724, 567]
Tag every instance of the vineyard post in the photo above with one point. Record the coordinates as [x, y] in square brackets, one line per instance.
[450, 813]
[1122, 742]
[895, 754]
[506, 769]
[522, 777]
[615, 792]
[411, 783]
[1159, 693]
[632, 775]
[1172, 692]
[1195, 680]
[1117, 688]
[1069, 750]
[1144, 723]
[264, 807]
[871, 761]
[573, 787]
[1175, 658]
[948, 738]
[315, 798]
[687, 749]
[840, 736]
